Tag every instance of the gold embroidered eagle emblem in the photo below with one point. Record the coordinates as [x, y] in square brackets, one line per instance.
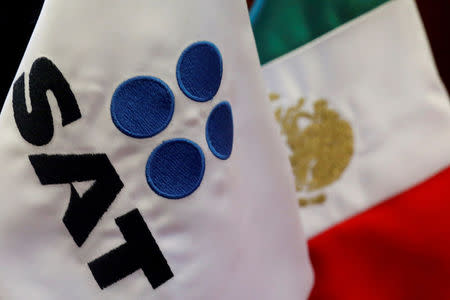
[320, 150]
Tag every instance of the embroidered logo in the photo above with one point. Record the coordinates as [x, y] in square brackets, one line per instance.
[321, 145]
[141, 107]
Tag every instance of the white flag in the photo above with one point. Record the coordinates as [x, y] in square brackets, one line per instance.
[140, 161]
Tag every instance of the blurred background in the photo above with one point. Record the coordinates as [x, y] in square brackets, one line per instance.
[278, 28]
[284, 25]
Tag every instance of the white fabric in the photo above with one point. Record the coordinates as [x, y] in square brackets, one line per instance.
[377, 73]
[237, 237]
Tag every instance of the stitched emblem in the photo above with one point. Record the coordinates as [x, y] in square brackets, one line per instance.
[219, 130]
[175, 168]
[321, 148]
[143, 106]
[199, 71]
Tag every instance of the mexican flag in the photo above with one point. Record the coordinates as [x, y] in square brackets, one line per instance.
[138, 161]
[365, 117]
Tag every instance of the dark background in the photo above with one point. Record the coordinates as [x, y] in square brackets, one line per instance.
[16, 25]
[18, 20]
[436, 17]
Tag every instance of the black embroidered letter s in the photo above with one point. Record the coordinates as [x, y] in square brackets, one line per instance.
[36, 127]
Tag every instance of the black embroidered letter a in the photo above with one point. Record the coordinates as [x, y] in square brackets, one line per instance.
[83, 213]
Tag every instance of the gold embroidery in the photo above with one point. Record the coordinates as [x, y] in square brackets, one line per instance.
[320, 151]
[274, 96]
[313, 200]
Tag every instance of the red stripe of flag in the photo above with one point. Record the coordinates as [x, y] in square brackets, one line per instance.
[399, 249]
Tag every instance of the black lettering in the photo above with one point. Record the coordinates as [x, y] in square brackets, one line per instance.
[83, 213]
[139, 252]
[36, 127]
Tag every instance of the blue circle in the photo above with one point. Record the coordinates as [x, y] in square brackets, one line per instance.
[219, 130]
[199, 71]
[175, 168]
[142, 106]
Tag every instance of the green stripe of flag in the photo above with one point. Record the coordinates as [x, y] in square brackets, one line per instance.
[284, 25]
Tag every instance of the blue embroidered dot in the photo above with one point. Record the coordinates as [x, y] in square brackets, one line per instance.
[175, 168]
[142, 106]
[219, 130]
[199, 71]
